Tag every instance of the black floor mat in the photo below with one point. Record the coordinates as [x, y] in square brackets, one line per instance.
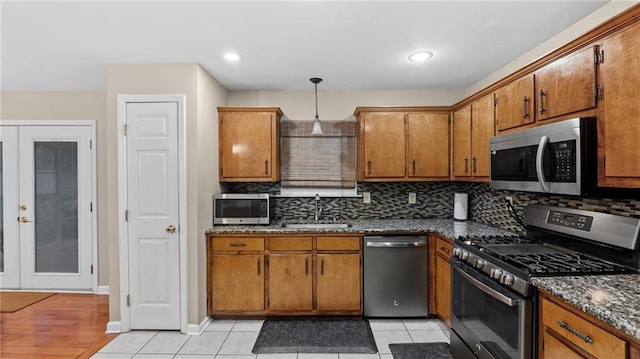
[421, 351]
[315, 336]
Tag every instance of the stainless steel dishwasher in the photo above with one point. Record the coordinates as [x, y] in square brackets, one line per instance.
[395, 276]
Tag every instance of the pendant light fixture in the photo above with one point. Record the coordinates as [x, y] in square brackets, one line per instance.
[317, 126]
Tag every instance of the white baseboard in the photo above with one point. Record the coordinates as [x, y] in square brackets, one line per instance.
[114, 327]
[195, 329]
[103, 289]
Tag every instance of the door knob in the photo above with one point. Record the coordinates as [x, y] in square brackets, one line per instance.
[23, 207]
[24, 220]
[170, 229]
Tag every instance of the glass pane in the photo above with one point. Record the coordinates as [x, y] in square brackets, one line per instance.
[1, 215]
[56, 207]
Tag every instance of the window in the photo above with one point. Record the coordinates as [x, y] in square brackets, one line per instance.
[317, 164]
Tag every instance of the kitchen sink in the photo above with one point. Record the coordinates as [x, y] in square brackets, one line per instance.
[317, 225]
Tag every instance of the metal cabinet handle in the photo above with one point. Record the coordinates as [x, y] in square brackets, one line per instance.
[407, 244]
[473, 165]
[542, 107]
[369, 167]
[238, 244]
[525, 107]
[587, 339]
[306, 266]
[466, 165]
[414, 166]
[266, 167]
[258, 266]
[444, 249]
[322, 267]
[170, 229]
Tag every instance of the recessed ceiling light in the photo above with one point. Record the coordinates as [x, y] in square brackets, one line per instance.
[420, 56]
[231, 56]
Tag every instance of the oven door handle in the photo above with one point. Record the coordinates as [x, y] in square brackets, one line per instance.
[485, 288]
[544, 140]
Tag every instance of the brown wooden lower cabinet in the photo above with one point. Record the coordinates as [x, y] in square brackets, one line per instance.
[338, 282]
[290, 282]
[284, 275]
[443, 252]
[566, 332]
[237, 281]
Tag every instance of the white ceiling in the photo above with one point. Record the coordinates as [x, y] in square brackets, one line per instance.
[353, 45]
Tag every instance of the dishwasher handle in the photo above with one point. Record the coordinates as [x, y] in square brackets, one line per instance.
[405, 244]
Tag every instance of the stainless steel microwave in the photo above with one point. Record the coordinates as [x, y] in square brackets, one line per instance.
[241, 208]
[559, 158]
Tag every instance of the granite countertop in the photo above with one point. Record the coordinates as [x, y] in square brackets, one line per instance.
[446, 227]
[611, 298]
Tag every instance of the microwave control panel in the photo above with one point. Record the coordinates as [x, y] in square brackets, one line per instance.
[564, 156]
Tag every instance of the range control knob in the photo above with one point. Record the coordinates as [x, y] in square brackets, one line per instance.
[456, 252]
[496, 273]
[506, 279]
[464, 255]
[479, 263]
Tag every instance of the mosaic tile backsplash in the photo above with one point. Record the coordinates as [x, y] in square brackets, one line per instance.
[434, 200]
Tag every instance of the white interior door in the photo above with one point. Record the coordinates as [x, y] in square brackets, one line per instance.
[153, 215]
[9, 250]
[47, 195]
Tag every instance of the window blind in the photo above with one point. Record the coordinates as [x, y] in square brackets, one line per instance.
[310, 161]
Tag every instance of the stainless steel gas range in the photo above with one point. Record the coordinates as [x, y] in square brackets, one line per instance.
[493, 304]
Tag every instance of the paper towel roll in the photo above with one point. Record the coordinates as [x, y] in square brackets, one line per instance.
[460, 201]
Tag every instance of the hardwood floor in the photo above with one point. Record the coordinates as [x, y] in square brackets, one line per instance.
[62, 326]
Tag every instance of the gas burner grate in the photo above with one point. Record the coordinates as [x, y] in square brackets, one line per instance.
[571, 263]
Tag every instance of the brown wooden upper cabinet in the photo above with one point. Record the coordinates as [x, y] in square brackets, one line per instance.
[473, 125]
[403, 144]
[249, 143]
[619, 110]
[514, 104]
[567, 85]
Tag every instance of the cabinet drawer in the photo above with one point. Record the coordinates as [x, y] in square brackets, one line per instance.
[582, 333]
[338, 243]
[238, 244]
[444, 247]
[290, 244]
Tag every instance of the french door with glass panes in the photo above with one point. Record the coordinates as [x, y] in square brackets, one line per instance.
[46, 219]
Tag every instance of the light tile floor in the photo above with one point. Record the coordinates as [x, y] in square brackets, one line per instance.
[234, 339]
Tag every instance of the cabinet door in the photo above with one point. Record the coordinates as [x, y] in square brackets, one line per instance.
[443, 288]
[338, 282]
[482, 127]
[514, 104]
[384, 145]
[237, 282]
[290, 282]
[428, 137]
[567, 85]
[462, 142]
[620, 125]
[555, 349]
[246, 140]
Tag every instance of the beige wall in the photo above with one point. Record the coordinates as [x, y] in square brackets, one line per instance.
[174, 79]
[211, 94]
[573, 32]
[334, 105]
[70, 106]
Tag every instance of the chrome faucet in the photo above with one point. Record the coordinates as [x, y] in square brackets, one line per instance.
[318, 208]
